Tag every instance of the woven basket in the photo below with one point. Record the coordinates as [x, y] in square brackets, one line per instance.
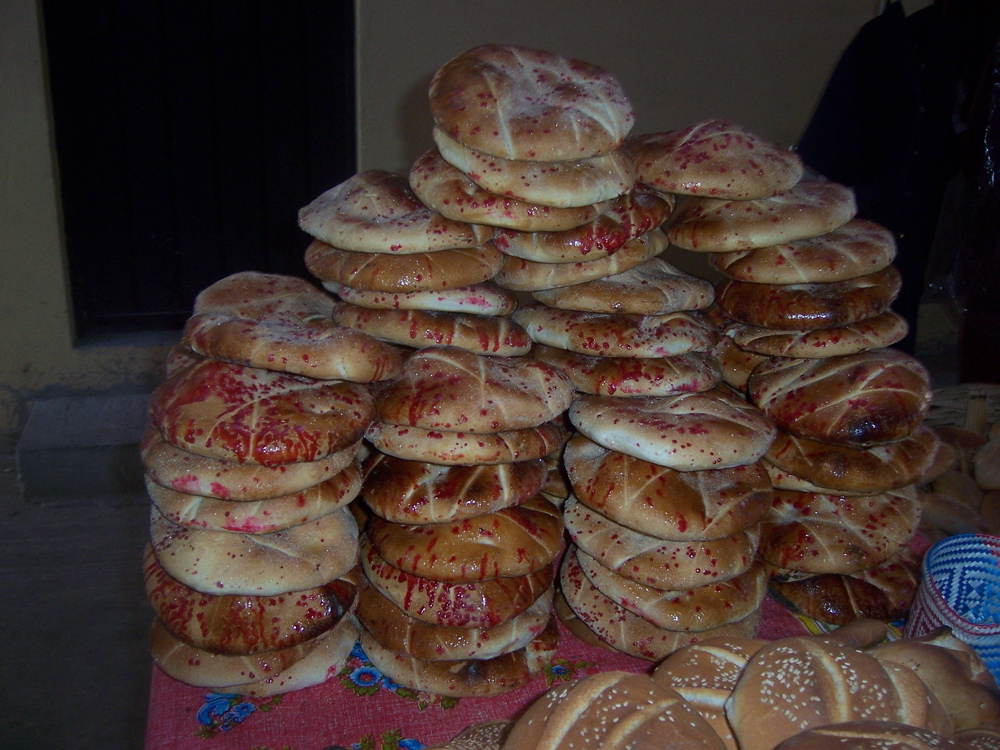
[974, 406]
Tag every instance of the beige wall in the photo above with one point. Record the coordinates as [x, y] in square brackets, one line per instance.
[762, 63]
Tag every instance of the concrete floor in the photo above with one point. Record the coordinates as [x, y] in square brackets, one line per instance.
[74, 614]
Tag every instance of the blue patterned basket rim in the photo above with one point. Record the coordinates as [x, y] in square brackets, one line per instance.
[961, 550]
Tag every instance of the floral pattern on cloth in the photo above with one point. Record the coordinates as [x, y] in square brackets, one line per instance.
[223, 711]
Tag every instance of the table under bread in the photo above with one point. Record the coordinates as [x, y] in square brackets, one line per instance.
[360, 708]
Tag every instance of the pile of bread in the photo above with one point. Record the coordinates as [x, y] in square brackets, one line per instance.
[501, 403]
[850, 689]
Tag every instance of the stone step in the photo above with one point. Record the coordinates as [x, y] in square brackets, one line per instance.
[82, 446]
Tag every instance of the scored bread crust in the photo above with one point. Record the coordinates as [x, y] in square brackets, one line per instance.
[663, 502]
[465, 678]
[515, 541]
[530, 276]
[857, 470]
[243, 624]
[416, 272]
[479, 604]
[479, 299]
[794, 684]
[634, 376]
[695, 609]
[658, 563]
[612, 710]
[815, 534]
[613, 627]
[183, 471]
[688, 432]
[449, 191]
[467, 448]
[878, 332]
[808, 209]
[417, 492]
[629, 216]
[376, 212]
[858, 400]
[499, 336]
[246, 414]
[870, 735]
[654, 287]
[397, 631]
[562, 184]
[256, 516]
[716, 158]
[809, 306]
[617, 335]
[857, 248]
[521, 103]
[224, 562]
[447, 388]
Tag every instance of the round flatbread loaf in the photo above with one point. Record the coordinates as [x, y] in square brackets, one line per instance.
[482, 334]
[809, 306]
[628, 217]
[735, 362]
[863, 470]
[246, 414]
[241, 625]
[396, 631]
[376, 212]
[878, 332]
[520, 103]
[815, 534]
[189, 473]
[224, 562]
[665, 503]
[622, 630]
[858, 400]
[415, 272]
[450, 192]
[654, 287]
[612, 710]
[883, 592]
[416, 492]
[696, 609]
[688, 432]
[617, 335]
[634, 376]
[479, 299]
[717, 225]
[785, 480]
[794, 684]
[529, 276]
[658, 563]
[252, 295]
[479, 604]
[515, 541]
[465, 678]
[257, 516]
[467, 448]
[873, 735]
[562, 184]
[714, 158]
[857, 248]
[447, 388]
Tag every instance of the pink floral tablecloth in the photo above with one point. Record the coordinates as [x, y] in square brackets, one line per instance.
[360, 708]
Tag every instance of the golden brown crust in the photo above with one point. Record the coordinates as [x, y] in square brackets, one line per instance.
[663, 502]
[415, 272]
[878, 332]
[478, 299]
[376, 212]
[808, 306]
[520, 103]
[806, 210]
[714, 158]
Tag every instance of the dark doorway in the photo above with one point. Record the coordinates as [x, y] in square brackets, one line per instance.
[188, 135]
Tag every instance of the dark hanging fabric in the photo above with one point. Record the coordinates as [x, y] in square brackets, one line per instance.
[886, 127]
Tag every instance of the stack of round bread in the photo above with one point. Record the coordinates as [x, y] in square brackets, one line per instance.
[251, 461]
[804, 311]
[459, 550]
